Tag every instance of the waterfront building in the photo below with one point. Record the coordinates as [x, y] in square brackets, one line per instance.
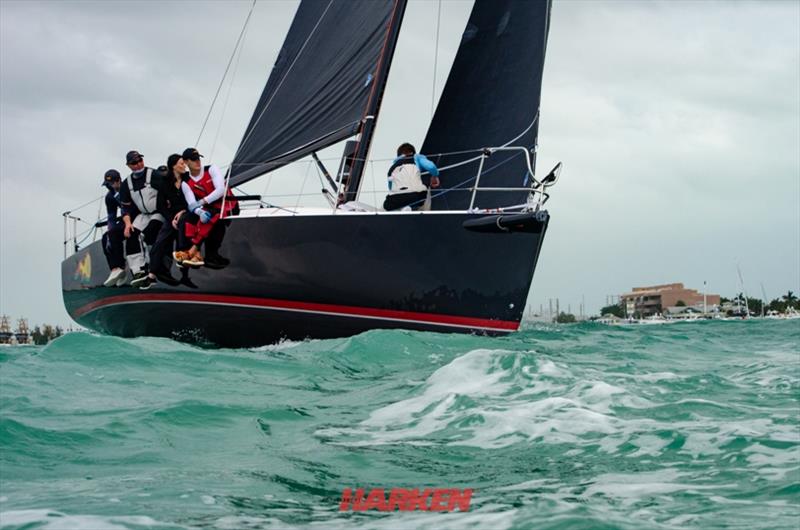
[653, 300]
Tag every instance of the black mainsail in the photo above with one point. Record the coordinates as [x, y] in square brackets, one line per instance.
[491, 99]
[321, 86]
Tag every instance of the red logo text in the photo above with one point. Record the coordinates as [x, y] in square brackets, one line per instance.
[406, 500]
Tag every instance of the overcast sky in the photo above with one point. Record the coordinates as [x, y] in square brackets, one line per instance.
[678, 124]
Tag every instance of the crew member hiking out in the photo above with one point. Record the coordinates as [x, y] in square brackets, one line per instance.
[206, 198]
[171, 204]
[407, 184]
[139, 214]
[113, 238]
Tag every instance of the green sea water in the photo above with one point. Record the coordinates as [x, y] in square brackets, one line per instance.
[689, 425]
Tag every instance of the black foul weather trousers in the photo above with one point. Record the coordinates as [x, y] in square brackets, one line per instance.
[399, 200]
[161, 250]
[112, 248]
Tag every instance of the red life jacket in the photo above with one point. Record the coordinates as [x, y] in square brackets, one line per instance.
[203, 187]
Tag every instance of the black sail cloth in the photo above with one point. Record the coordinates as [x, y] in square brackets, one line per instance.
[491, 98]
[318, 89]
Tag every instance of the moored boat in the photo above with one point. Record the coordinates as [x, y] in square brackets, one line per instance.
[7, 337]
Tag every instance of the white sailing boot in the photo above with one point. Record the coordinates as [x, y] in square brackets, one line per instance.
[114, 277]
[123, 278]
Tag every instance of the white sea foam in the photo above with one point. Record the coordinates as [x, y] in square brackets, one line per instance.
[772, 463]
[703, 438]
[283, 344]
[472, 374]
[237, 522]
[495, 398]
[531, 484]
[54, 520]
[630, 488]
[207, 499]
[656, 377]
[649, 445]
[475, 518]
[519, 398]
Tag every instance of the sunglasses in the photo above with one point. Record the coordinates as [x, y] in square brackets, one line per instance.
[135, 162]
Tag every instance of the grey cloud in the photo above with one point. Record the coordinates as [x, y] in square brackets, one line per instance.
[678, 123]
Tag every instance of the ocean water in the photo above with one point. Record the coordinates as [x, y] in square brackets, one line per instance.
[691, 425]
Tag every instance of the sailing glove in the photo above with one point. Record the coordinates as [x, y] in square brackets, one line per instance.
[205, 216]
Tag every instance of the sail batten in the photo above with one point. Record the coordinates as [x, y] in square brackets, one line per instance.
[491, 99]
[318, 89]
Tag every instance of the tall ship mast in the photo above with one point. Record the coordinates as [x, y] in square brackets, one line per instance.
[23, 333]
[6, 335]
[462, 262]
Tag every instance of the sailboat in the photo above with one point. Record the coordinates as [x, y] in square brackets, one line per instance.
[463, 265]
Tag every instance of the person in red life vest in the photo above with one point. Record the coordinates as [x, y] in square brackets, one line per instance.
[206, 198]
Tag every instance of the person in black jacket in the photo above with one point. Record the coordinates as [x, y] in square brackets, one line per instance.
[171, 204]
[142, 221]
[113, 238]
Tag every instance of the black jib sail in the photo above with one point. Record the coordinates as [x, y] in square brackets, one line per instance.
[491, 99]
[318, 90]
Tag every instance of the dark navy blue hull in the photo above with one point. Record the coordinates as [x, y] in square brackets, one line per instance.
[326, 276]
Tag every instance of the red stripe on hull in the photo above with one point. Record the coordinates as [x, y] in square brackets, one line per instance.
[267, 303]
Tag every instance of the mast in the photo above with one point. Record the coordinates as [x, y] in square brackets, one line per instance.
[374, 102]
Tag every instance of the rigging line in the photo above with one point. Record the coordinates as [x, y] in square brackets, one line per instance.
[374, 186]
[303, 186]
[520, 135]
[230, 89]
[479, 149]
[88, 233]
[458, 187]
[436, 58]
[84, 205]
[222, 81]
[473, 159]
[457, 164]
[84, 234]
[285, 75]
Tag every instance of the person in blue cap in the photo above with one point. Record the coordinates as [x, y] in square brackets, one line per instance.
[113, 238]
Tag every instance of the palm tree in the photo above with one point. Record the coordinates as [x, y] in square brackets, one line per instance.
[789, 298]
